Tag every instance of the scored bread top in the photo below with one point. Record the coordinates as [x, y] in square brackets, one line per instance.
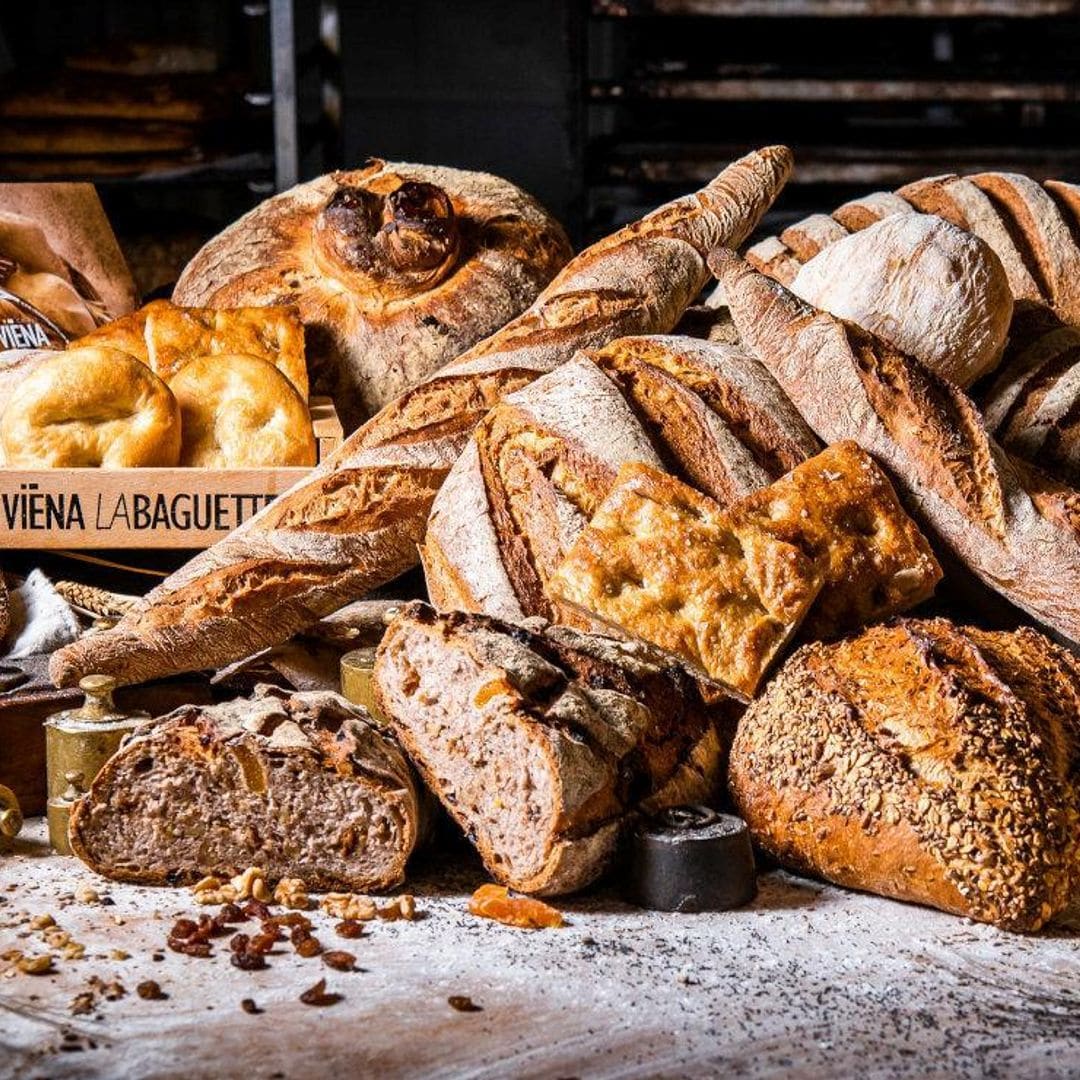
[924, 761]
[539, 464]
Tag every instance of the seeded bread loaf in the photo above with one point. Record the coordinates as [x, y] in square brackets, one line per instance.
[540, 464]
[301, 785]
[394, 268]
[543, 742]
[1016, 529]
[924, 761]
[355, 522]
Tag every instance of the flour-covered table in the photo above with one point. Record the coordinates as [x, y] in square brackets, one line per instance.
[807, 981]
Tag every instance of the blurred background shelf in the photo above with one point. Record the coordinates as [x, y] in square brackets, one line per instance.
[188, 113]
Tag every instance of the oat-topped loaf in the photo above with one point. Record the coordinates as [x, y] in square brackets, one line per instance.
[924, 761]
[542, 741]
[301, 785]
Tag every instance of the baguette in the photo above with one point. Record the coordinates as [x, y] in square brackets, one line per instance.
[355, 522]
[1015, 529]
[1033, 406]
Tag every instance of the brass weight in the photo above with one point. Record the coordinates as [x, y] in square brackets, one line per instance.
[357, 668]
[11, 819]
[77, 743]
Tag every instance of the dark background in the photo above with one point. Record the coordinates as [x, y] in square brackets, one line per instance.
[601, 108]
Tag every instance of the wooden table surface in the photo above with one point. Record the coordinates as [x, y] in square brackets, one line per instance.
[809, 980]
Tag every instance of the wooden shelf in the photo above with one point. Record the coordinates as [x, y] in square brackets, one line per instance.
[937, 9]
[832, 90]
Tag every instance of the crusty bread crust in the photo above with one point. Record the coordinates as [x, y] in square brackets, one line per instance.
[926, 287]
[1018, 533]
[395, 269]
[539, 465]
[923, 761]
[609, 727]
[356, 521]
[238, 746]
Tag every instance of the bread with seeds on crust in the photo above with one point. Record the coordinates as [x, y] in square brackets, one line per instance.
[926, 762]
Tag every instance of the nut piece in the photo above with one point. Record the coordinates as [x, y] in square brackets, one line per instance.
[251, 885]
[42, 922]
[401, 907]
[292, 893]
[348, 906]
[84, 894]
[212, 890]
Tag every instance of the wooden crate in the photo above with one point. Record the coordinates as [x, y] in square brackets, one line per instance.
[56, 509]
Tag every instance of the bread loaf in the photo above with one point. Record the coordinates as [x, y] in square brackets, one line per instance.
[923, 761]
[542, 742]
[926, 287]
[1017, 531]
[356, 521]
[661, 562]
[300, 785]
[540, 464]
[1033, 406]
[166, 337]
[395, 270]
[90, 407]
[1033, 229]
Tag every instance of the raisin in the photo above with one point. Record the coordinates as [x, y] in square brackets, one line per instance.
[249, 1006]
[463, 1003]
[248, 961]
[339, 960]
[317, 995]
[239, 942]
[291, 918]
[256, 909]
[350, 928]
[150, 991]
[308, 947]
[183, 928]
[262, 943]
[230, 913]
[189, 948]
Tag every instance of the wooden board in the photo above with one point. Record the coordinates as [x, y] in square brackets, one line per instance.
[50, 509]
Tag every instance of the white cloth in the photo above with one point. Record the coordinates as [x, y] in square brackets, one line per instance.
[41, 619]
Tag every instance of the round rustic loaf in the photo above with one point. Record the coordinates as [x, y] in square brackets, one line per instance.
[395, 269]
[241, 412]
[89, 407]
[929, 289]
[924, 761]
